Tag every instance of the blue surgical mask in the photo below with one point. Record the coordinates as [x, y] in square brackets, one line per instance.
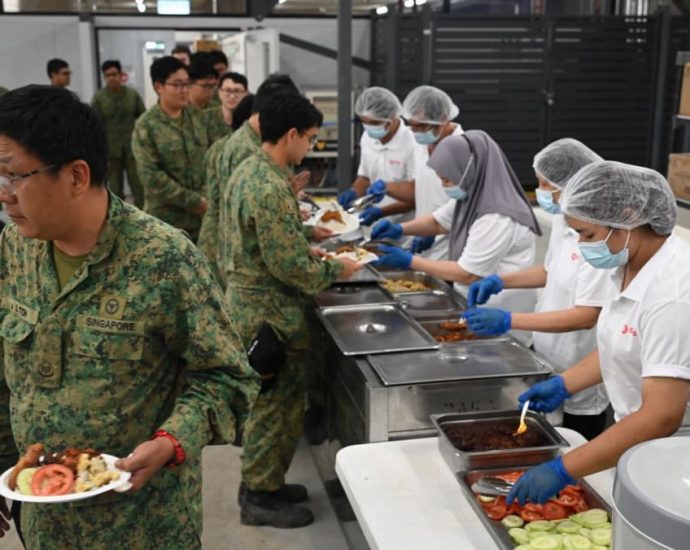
[375, 132]
[456, 193]
[426, 138]
[598, 254]
[545, 200]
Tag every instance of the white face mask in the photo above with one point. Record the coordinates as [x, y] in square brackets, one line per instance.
[457, 192]
[375, 132]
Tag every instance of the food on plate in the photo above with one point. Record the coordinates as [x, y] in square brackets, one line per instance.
[332, 215]
[404, 285]
[457, 331]
[551, 526]
[459, 325]
[491, 437]
[344, 248]
[39, 473]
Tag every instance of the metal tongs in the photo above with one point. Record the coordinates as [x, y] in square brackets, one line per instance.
[491, 486]
[361, 203]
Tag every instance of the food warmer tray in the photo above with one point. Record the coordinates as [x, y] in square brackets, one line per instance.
[497, 531]
[351, 294]
[431, 304]
[468, 360]
[430, 281]
[462, 461]
[367, 274]
[372, 329]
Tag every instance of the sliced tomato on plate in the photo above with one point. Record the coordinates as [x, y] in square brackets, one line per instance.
[515, 508]
[581, 506]
[568, 499]
[497, 512]
[553, 510]
[52, 480]
[532, 512]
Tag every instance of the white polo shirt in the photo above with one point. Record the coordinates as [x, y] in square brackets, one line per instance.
[429, 195]
[497, 244]
[644, 331]
[571, 282]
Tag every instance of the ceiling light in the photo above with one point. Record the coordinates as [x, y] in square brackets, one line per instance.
[408, 3]
[141, 5]
[420, 2]
[282, 1]
[382, 10]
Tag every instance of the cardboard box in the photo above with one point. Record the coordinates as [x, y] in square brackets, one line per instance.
[684, 106]
[679, 174]
[209, 45]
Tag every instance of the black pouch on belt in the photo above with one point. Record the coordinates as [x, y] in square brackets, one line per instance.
[266, 355]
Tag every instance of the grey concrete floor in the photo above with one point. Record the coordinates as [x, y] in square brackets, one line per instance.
[222, 528]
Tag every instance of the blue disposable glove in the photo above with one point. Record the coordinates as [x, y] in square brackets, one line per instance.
[486, 321]
[393, 257]
[387, 229]
[546, 396]
[369, 215]
[378, 189]
[540, 483]
[420, 244]
[346, 197]
[480, 291]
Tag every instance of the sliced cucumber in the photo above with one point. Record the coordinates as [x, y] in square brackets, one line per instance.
[538, 534]
[591, 518]
[486, 499]
[523, 547]
[547, 542]
[540, 525]
[576, 542]
[602, 537]
[568, 527]
[24, 480]
[597, 547]
[585, 532]
[520, 536]
[512, 521]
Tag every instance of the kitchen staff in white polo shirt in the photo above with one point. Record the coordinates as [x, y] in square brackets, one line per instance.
[386, 153]
[565, 318]
[490, 224]
[429, 113]
[624, 216]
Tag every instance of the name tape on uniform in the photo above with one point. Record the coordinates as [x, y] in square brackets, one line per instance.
[25, 313]
[116, 326]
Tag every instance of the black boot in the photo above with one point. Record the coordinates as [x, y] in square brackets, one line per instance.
[315, 427]
[266, 508]
[290, 492]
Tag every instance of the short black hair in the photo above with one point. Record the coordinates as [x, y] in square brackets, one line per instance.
[53, 125]
[181, 48]
[242, 112]
[284, 110]
[235, 77]
[110, 64]
[274, 83]
[56, 65]
[163, 67]
[217, 56]
[200, 68]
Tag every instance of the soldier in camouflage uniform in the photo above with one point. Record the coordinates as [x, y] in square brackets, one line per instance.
[115, 336]
[269, 267]
[169, 144]
[120, 107]
[3, 90]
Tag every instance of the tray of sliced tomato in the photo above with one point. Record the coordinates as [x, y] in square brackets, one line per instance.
[498, 516]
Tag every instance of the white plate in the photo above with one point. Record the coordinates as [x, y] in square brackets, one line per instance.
[351, 220]
[364, 258]
[6, 492]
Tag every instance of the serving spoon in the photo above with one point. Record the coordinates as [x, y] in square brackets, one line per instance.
[523, 427]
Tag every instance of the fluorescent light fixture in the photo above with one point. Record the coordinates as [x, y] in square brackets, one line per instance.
[420, 2]
[282, 1]
[408, 3]
[382, 10]
[173, 7]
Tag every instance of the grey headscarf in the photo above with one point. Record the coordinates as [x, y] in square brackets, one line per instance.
[491, 185]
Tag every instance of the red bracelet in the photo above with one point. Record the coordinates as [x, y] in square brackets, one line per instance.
[179, 456]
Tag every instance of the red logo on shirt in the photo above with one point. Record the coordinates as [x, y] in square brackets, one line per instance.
[393, 161]
[575, 256]
[629, 330]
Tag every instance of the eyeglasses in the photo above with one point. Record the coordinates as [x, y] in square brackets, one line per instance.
[177, 86]
[9, 185]
[312, 139]
[232, 91]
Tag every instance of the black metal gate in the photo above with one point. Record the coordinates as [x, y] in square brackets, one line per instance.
[528, 81]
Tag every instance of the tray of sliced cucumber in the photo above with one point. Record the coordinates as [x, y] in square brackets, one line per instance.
[576, 519]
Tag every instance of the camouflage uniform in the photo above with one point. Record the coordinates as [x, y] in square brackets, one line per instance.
[120, 111]
[215, 123]
[138, 340]
[169, 154]
[3, 90]
[268, 269]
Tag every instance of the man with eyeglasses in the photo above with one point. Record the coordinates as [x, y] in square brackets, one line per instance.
[59, 73]
[269, 268]
[232, 88]
[169, 143]
[204, 82]
[114, 335]
[120, 107]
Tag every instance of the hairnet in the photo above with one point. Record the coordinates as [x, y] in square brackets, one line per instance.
[378, 104]
[557, 162]
[429, 105]
[622, 196]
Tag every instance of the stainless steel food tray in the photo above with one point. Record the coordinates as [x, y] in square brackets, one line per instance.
[367, 274]
[353, 294]
[431, 304]
[462, 461]
[430, 281]
[497, 531]
[385, 328]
